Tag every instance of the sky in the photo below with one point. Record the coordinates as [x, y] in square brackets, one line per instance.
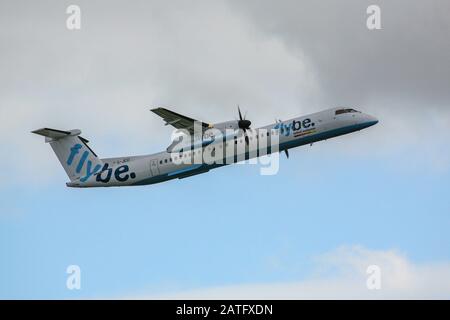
[376, 197]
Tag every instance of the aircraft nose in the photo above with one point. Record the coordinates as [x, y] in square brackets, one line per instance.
[372, 120]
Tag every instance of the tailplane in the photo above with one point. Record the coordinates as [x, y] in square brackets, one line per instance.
[72, 150]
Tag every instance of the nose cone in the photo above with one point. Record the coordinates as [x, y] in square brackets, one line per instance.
[371, 120]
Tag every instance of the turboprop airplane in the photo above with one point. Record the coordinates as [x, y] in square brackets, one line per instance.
[235, 142]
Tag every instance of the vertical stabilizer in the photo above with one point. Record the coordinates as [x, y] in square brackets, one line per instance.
[72, 150]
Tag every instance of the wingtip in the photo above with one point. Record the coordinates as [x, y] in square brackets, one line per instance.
[36, 131]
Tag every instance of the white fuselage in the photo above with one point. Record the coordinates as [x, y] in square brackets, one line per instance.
[159, 167]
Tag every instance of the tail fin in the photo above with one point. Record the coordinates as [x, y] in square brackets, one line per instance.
[72, 150]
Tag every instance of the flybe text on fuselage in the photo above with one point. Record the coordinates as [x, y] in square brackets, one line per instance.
[294, 126]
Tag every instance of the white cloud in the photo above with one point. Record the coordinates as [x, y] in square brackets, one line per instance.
[341, 274]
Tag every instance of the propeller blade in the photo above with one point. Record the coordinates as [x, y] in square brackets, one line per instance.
[287, 153]
[244, 124]
[245, 136]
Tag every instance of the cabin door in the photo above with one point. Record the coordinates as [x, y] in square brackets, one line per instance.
[154, 167]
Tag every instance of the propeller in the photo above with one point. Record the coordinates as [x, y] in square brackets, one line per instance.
[243, 124]
[286, 151]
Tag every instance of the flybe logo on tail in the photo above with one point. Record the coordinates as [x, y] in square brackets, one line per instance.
[89, 171]
[287, 129]
[120, 173]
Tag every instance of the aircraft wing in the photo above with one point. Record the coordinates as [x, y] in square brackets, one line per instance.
[177, 120]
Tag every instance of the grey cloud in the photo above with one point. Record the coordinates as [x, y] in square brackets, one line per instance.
[200, 57]
[408, 59]
[401, 73]
[276, 59]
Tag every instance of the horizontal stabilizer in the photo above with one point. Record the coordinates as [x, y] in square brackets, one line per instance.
[54, 134]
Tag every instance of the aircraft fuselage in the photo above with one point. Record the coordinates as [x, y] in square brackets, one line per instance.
[159, 167]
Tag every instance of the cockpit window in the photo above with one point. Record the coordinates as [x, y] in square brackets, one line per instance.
[341, 111]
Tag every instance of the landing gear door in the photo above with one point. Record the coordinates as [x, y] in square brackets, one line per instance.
[154, 167]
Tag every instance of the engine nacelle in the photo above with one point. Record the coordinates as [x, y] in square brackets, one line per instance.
[222, 126]
[185, 142]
